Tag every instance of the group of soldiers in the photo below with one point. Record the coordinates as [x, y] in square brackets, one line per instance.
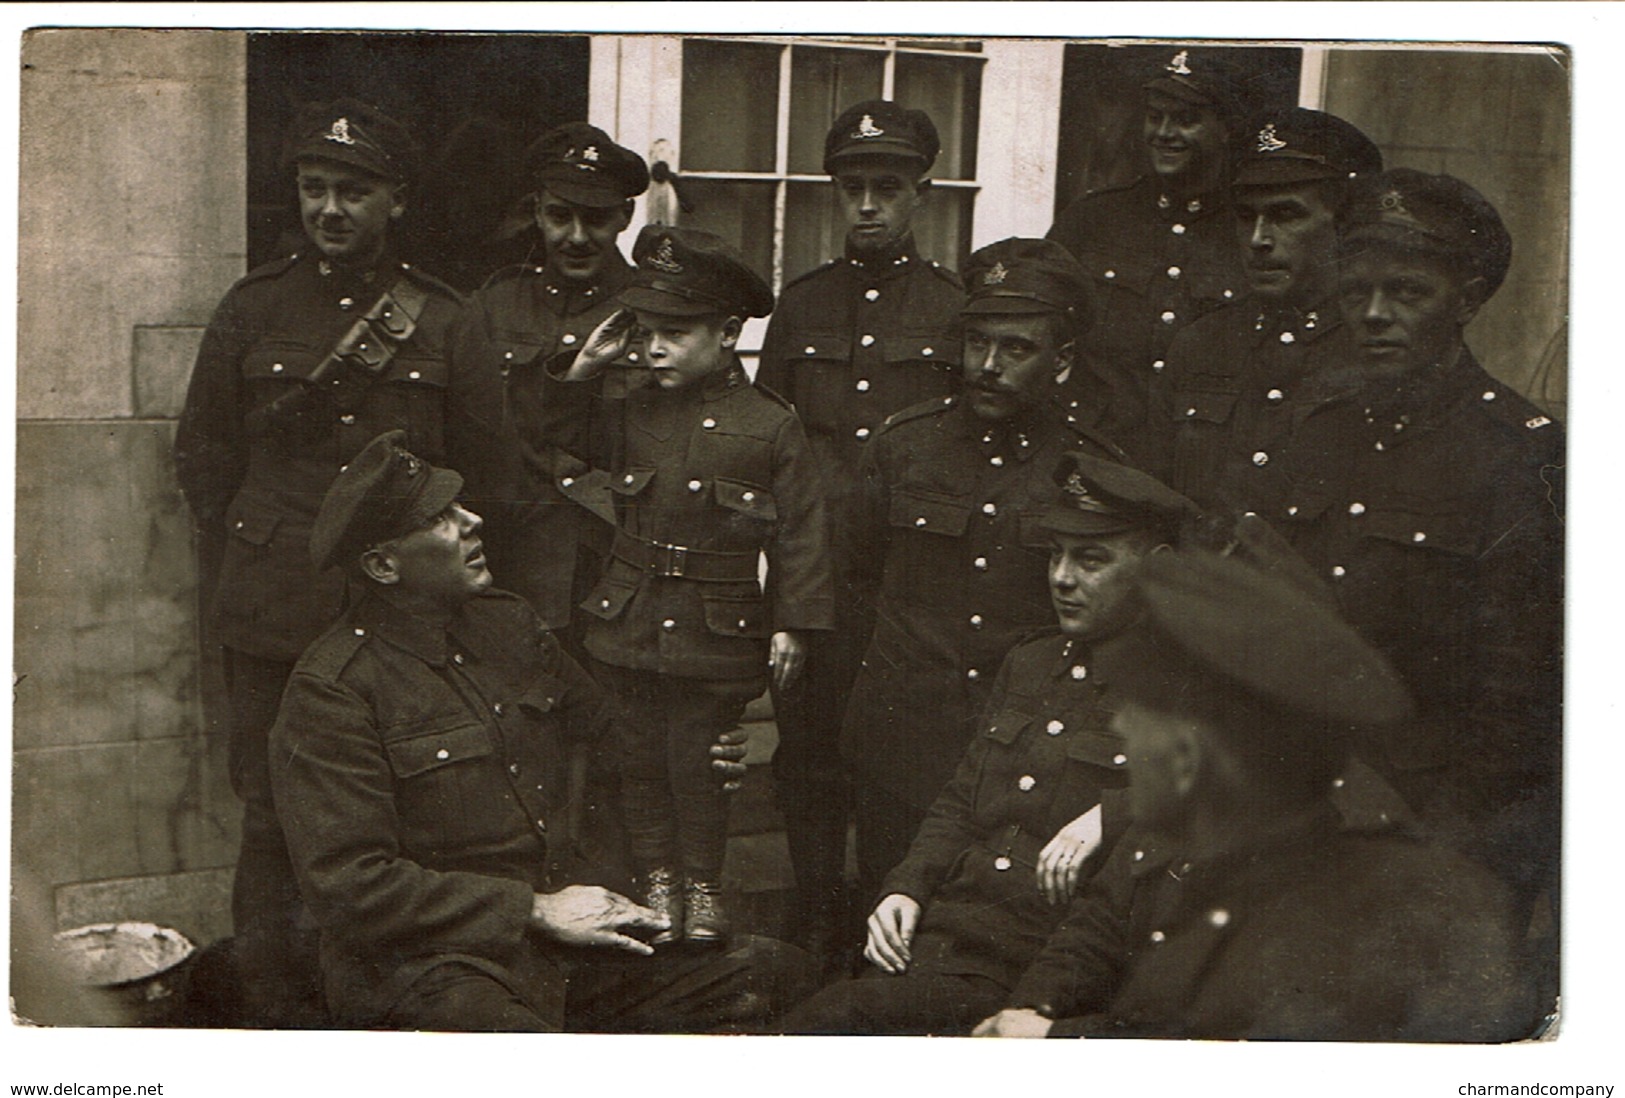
[1171, 607]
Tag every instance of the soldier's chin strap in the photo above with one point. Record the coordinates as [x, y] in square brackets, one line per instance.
[362, 354]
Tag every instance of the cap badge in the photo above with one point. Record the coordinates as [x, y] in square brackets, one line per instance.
[590, 153]
[1079, 491]
[414, 465]
[995, 275]
[1267, 141]
[340, 132]
[1178, 66]
[1393, 202]
[867, 127]
[664, 259]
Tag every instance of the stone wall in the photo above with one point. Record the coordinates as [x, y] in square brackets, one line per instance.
[131, 226]
[1500, 122]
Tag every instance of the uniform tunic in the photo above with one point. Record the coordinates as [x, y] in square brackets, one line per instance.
[1156, 264]
[951, 545]
[419, 771]
[722, 471]
[1043, 757]
[516, 322]
[272, 328]
[1227, 399]
[1434, 509]
[1313, 934]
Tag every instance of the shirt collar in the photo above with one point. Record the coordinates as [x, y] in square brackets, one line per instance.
[566, 296]
[377, 616]
[901, 256]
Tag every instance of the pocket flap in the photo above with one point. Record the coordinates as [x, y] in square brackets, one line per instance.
[419, 371]
[254, 525]
[932, 514]
[1203, 405]
[1440, 533]
[284, 362]
[513, 352]
[922, 348]
[733, 616]
[540, 696]
[608, 599]
[1006, 724]
[1098, 749]
[1031, 531]
[631, 482]
[820, 348]
[748, 499]
[420, 754]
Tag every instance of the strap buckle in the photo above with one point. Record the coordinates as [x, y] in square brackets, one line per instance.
[674, 556]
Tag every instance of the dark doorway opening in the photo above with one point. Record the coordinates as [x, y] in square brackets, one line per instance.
[473, 100]
[1102, 105]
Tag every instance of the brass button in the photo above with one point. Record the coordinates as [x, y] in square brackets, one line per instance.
[668, 625]
[1001, 863]
[708, 423]
[442, 754]
[980, 564]
[1026, 783]
[871, 295]
[1079, 672]
[990, 508]
[567, 339]
[866, 341]
[695, 486]
[862, 385]
[1055, 728]
[347, 419]
[861, 433]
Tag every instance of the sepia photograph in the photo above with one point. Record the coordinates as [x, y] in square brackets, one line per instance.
[657, 524]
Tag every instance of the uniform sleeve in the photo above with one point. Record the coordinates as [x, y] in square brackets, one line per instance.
[950, 825]
[1082, 963]
[802, 584]
[479, 438]
[335, 797]
[583, 706]
[771, 371]
[211, 449]
[1506, 750]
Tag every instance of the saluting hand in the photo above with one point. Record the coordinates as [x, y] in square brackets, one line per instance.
[891, 929]
[607, 343]
[1060, 863]
[589, 915]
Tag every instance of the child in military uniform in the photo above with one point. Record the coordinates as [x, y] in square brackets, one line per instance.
[700, 472]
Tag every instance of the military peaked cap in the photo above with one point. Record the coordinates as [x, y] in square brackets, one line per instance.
[1100, 497]
[879, 127]
[385, 492]
[689, 272]
[1201, 78]
[351, 132]
[1021, 275]
[1298, 145]
[581, 163]
[1435, 214]
[1216, 621]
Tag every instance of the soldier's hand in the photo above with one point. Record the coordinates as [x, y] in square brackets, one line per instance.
[891, 929]
[728, 758]
[785, 658]
[1013, 1023]
[608, 342]
[1060, 863]
[587, 915]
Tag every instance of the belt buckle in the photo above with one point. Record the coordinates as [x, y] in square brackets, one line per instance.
[674, 559]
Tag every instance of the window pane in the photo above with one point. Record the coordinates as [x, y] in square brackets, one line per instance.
[814, 232]
[950, 92]
[740, 213]
[823, 83]
[730, 106]
[943, 228]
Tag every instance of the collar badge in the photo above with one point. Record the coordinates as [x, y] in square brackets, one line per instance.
[995, 275]
[1179, 65]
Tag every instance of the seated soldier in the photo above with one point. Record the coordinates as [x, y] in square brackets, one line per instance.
[1238, 906]
[1019, 825]
[419, 757]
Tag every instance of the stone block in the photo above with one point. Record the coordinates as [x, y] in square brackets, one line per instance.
[112, 233]
[105, 614]
[198, 904]
[162, 367]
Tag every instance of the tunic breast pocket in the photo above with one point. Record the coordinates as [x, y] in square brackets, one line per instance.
[929, 512]
[447, 793]
[820, 369]
[1103, 755]
[411, 394]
